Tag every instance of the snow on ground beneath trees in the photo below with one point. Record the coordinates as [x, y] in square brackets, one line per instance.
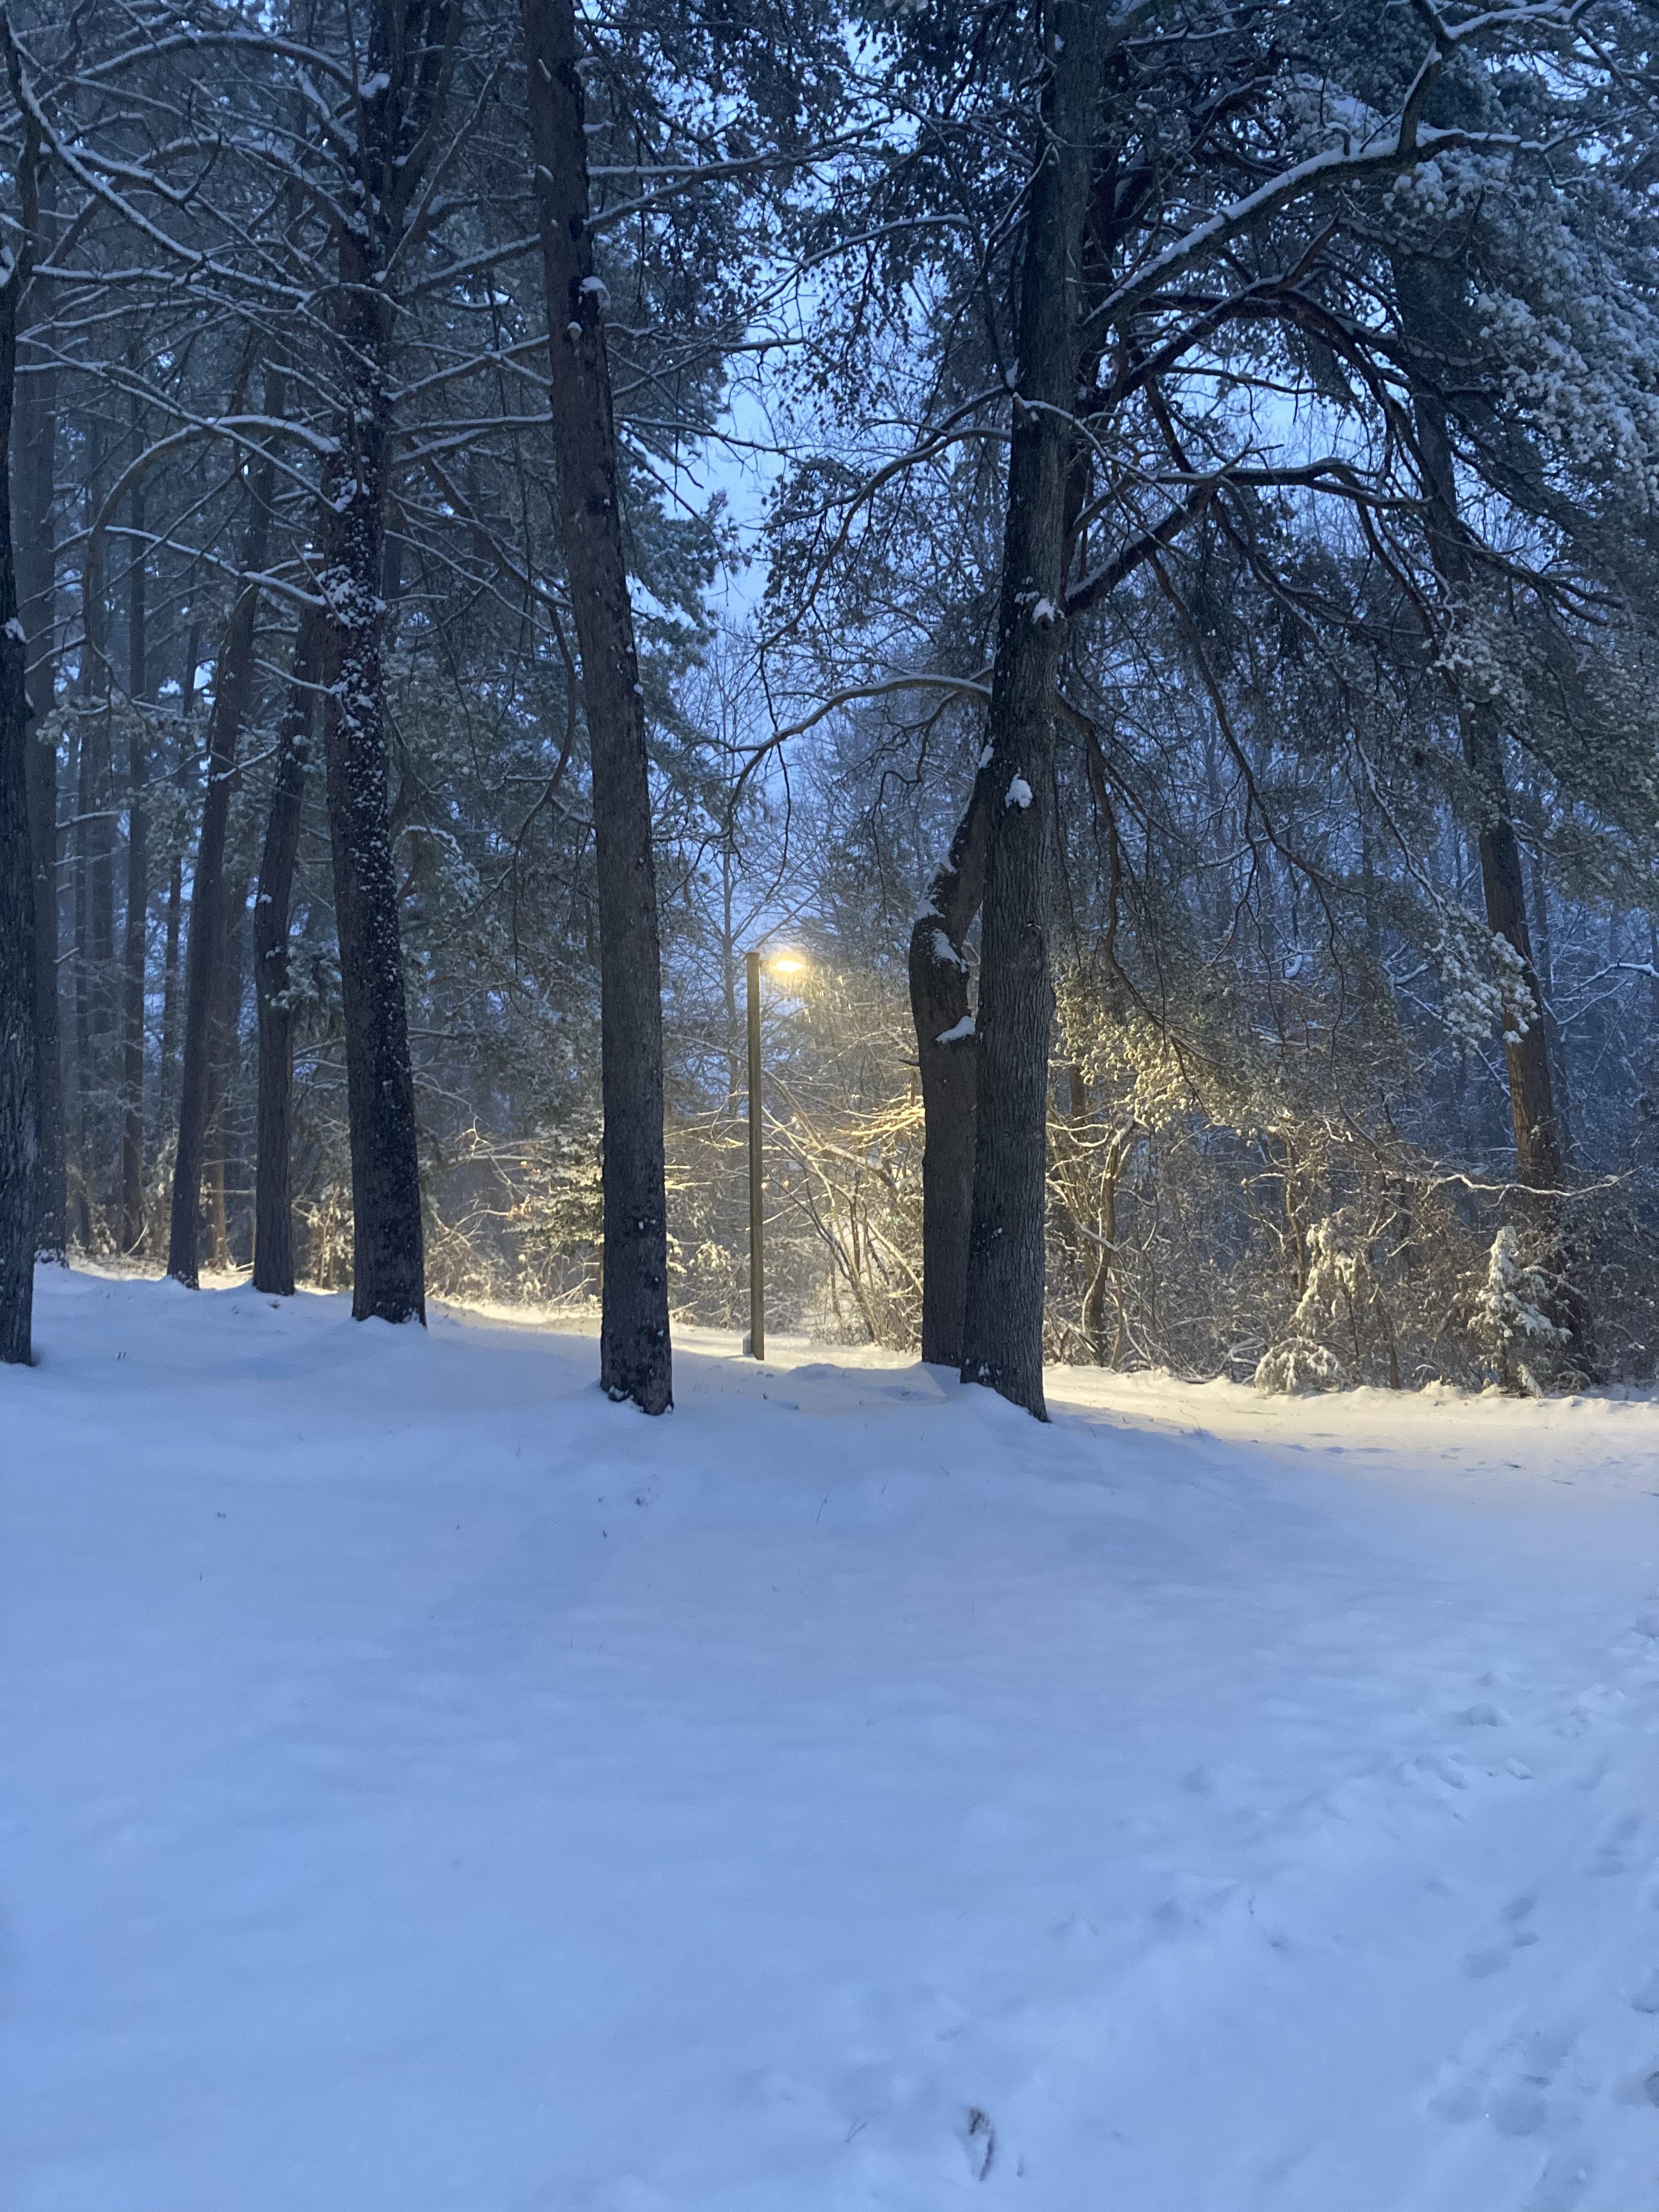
[429, 1786]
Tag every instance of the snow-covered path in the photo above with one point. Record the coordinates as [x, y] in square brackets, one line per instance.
[428, 1787]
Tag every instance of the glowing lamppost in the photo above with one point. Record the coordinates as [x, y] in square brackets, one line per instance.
[780, 964]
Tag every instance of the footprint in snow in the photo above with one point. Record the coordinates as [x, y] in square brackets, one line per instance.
[980, 2141]
[1514, 2104]
[1560, 2185]
[1517, 2112]
[1608, 1856]
[1543, 2053]
[1492, 1958]
[1076, 1927]
[1478, 1965]
[1458, 2103]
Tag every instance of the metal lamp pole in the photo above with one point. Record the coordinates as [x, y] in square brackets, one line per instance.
[756, 1210]
[782, 962]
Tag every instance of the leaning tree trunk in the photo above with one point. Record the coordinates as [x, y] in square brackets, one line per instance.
[36, 557]
[945, 1059]
[273, 1219]
[1427, 308]
[1532, 1106]
[19, 1130]
[1002, 1325]
[635, 1352]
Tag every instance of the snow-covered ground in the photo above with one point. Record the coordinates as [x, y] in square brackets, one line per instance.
[429, 1789]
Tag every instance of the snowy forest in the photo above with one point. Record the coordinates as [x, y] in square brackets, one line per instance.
[753, 711]
[1124, 541]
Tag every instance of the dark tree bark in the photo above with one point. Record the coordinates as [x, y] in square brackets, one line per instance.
[273, 1213]
[233, 691]
[80, 1195]
[1532, 1106]
[96, 983]
[19, 1046]
[170, 990]
[36, 556]
[1002, 1325]
[945, 1059]
[135, 947]
[175, 896]
[220, 1163]
[388, 1258]
[204, 942]
[99, 1156]
[636, 1359]
[1426, 294]
[1555, 1044]
[388, 1248]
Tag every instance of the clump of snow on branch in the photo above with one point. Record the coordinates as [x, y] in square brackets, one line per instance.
[1483, 982]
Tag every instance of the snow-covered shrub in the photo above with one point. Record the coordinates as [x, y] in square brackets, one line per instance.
[1299, 1366]
[1338, 1277]
[1514, 1318]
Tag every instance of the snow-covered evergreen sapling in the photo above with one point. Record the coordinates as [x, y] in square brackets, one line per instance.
[1512, 1318]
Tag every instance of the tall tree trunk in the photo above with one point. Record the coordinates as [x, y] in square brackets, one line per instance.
[1427, 296]
[1532, 1106]
[18, 1048]
[1554, 1042]
[36, 556]
[80, 782]
[204, 943]
[215, 1253]
[175, 893]
[88, 800]
[97, 735]
[273, 1218]
[135, 947]
[945, 1059]
[233, 692]
[170, 992]
[387, 1239]
[96, 981]
[1097, 1223]
[220, 1162]
[1002, 1325]
[635, 1358]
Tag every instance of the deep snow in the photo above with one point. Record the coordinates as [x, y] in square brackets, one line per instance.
[430, 1788]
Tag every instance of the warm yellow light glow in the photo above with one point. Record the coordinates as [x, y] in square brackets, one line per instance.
[787, 963]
